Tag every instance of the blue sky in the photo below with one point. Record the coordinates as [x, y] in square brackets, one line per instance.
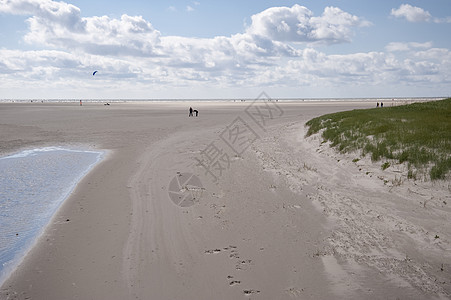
[233, 49]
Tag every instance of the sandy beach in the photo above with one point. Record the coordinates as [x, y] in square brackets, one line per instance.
[268, 213]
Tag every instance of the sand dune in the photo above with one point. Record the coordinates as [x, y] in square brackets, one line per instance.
[261, 212]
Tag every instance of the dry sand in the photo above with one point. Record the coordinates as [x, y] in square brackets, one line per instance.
[287, 218]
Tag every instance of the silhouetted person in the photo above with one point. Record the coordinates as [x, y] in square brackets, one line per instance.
[382, 104]
[196, 112]
[377, 105]
[190, 112]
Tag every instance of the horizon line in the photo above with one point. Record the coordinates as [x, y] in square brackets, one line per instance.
[219, 99]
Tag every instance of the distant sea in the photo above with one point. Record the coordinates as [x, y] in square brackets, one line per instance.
[33, 185]
[384, 99]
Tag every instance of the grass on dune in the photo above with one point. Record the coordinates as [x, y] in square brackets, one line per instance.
[418, 134]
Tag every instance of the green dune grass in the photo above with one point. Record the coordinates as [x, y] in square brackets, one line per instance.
[418, 134]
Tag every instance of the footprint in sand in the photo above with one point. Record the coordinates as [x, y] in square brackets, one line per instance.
[241, 264]
[294, 292]
[250, 292]
[212, 251]
[234, 282]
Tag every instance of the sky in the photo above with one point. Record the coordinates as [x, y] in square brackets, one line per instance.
[224, 49]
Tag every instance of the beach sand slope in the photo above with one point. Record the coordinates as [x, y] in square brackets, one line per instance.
[285, 218]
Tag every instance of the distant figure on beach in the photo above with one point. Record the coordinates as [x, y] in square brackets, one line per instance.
[196, 112]
[377, 105]
[382, 104]
[190, 112]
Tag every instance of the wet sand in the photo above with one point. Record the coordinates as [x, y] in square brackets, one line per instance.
[275, 216]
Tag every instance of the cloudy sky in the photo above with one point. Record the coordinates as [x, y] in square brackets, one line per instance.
[224, 49]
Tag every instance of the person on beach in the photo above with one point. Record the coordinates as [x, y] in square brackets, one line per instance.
[377, 105]
[382, 104]
[196, 112]
[190, 112]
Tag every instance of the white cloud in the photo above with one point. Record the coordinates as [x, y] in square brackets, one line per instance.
[411, 13]
[442, 20]
[61, 13]
[189, 8]
[101, 35]
[60, 64]
[63, 70]
[58, 24]
[335, 25]
[397, 46]
[372, 69]
[132, 55]
[416, 14]
[297, 24]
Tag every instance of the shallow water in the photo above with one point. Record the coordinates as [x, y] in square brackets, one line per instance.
[33, 185]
